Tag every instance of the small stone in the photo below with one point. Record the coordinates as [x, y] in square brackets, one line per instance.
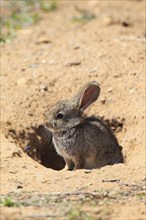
[75, 63]
[94, 70]
[110, 90]
[107, 20]
[43, 61]
[132, 90]
[76, 47]
[16, 154]
[52, 62]
[43, 88]
[8, 123]
[116, 75]
[87, 171]
[109, 180]
[90, 184]
[45, 181]
[30, 113]
[109, 99]
[125, 24]
[43, 40]
[134, 74]
[13, 172]
[24, 166]
[33, 65]
[67, 177]
[21, 82]
[103, 100]
[19, 187]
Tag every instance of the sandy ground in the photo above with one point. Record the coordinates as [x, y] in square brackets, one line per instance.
[50, 61]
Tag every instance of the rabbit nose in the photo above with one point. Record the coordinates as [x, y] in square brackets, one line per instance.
[47, 124]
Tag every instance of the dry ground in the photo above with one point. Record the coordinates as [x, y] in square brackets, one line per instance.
[50, 61]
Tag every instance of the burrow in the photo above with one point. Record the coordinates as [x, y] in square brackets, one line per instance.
[39, 146]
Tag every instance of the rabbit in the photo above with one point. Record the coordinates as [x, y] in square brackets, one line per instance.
[84, 142]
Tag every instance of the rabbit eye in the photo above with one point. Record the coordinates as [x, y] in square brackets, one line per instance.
[60, 115]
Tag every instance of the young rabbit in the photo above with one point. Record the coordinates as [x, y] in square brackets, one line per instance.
[83, 142]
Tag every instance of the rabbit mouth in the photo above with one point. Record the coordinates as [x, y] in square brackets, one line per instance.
[56, 127]
[53, 127]
[50, 127]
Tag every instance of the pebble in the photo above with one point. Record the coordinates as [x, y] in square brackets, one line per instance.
[76, 47]
[94, 70]
[43, 88]
[116, 75]
[125, 24]
[110, 90]
[67, 177]
[52, 62]
[87, 171]
[109, 180]
[43, 40]
[103, 100]
[23, 166]
[21, 82]
[33, 65]
[19, 187]
[13, 172]
[133, 74]
[43, 61]
[30, 113]
[16, 154]
[132, 90]
[75, 63]
[107, 21]
[90, 184]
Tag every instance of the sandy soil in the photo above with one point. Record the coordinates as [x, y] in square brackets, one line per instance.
[50, 61]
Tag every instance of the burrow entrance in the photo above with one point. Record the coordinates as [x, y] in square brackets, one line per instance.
[37, 143]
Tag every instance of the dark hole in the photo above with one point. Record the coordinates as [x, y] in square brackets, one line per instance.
[37, 142]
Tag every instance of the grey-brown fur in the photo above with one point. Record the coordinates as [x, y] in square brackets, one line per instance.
[83, 142]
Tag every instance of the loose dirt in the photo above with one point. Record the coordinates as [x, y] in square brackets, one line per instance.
[49, 62]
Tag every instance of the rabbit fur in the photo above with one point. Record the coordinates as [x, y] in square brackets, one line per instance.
[83, 142]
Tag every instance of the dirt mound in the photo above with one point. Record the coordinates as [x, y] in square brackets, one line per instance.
[37, 142]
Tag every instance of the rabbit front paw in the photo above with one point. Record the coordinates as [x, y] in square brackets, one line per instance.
[69, 165]
[79, 164]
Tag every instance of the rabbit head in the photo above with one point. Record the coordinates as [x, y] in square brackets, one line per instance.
[69, 113]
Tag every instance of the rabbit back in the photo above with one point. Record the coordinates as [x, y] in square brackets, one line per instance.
[91, 142]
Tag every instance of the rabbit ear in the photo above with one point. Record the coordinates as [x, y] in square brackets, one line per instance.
[87, 95]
